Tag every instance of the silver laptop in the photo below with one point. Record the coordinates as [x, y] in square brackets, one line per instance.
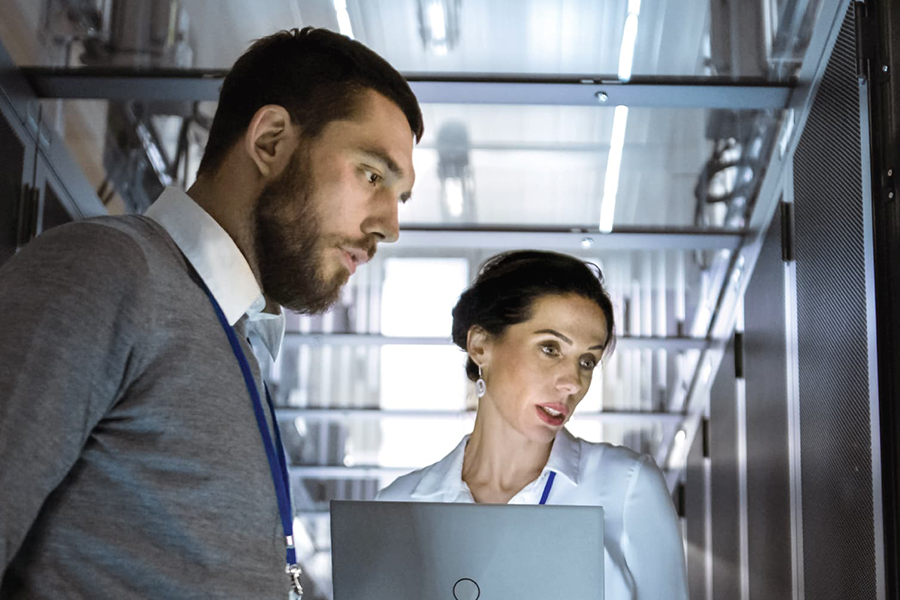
[426, 551]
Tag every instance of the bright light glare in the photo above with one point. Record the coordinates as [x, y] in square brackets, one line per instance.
[437, 22]
[417, 298]
[343, 17]
[678, 448]
[453, 193]
[303, 544]
[613, 168]
[706, 373]
[418, 295]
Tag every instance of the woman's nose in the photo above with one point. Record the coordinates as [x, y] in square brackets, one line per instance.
[569, 382]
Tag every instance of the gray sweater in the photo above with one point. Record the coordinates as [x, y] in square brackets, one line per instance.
[131, 465]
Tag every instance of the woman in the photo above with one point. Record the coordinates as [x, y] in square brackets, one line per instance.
[535, 325]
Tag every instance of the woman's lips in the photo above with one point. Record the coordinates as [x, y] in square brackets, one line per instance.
[551, 415]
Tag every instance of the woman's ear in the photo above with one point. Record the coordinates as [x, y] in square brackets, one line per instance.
[479, 345]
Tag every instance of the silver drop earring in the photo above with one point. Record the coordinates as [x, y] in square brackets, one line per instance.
[480, 385]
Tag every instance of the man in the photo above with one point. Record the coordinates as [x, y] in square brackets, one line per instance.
[132, 459]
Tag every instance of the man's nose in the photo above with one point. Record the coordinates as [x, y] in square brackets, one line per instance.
[384, 222]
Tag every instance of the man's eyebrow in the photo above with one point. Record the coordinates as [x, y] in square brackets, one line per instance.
[567, 340]
[382, 156]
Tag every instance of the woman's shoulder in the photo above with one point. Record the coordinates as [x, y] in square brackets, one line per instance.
[614, 463]
[403, 487]
[609, 456]
[430, 484]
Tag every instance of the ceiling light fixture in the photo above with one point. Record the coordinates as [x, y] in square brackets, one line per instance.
[620, 121]
[439, 25]
[613, 169]
[626, 55]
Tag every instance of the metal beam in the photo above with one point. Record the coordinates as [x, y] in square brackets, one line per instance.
[632, 94]
[376, 414]
[292, 339]
[117, 83]
[579, 240]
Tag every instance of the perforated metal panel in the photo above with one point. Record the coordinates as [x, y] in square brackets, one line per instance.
[838, 525]
[695, 517]
[12, 157]
[723, 453]
[768, 458]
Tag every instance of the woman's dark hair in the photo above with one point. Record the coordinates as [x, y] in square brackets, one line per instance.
[316, 75]
[508, 285]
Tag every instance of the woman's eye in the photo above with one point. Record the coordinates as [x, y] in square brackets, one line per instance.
[549, 350]
[588, 364]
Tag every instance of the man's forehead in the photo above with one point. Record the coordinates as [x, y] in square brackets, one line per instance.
[379, 130]
[394, 157]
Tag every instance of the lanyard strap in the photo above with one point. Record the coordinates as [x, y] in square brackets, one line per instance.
[274, 451]
[548, 486]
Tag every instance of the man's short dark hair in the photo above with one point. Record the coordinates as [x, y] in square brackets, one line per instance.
[317, 75]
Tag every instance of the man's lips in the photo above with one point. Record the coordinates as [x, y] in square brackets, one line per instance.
[353, 257]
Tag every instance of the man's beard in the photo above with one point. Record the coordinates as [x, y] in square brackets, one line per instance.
[289, 243]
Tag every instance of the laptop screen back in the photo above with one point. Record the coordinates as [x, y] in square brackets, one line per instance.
[415, 550]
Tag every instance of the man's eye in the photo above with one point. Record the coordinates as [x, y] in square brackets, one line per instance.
[372, 177]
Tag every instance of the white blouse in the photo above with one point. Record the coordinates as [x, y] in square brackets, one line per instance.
[644, 554]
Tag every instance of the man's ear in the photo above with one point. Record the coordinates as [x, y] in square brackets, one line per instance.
[270, 140]
[479, 345]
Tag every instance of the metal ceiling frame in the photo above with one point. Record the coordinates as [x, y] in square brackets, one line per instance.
[576, 239]
[124, 83]
[293, 339]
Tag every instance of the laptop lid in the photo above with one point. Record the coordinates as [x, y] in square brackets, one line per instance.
[417, 550]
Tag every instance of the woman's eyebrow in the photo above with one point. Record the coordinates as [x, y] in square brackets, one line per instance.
[567, 340]
[556, 333]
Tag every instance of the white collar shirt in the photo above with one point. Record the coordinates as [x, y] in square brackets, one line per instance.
[220, 264]
[644, 552]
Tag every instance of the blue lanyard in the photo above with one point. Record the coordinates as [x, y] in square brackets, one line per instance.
[548, 487]
[274, 452]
